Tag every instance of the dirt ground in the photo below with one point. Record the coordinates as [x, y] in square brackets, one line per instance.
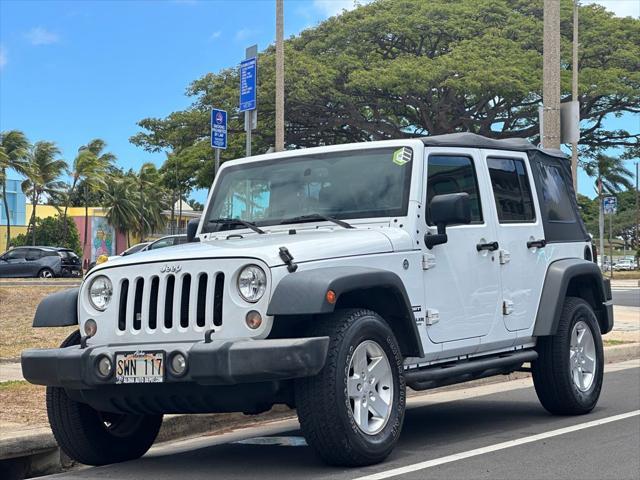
[17, 307]
[22, 403]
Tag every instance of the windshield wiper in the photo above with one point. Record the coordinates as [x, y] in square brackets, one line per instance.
[316, 216]
[237, 221]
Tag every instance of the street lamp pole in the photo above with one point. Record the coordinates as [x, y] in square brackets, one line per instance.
[551, 75]
[279, 76]
[574, 95]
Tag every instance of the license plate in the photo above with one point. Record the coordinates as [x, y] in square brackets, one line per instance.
[140, 367]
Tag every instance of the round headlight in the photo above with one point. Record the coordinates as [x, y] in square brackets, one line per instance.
[100, 292]
[252, 283]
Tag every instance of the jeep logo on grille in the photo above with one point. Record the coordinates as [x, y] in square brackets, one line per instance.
[170, 268]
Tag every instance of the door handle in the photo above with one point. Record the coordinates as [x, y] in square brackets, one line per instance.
[537, 243]
[491, 246]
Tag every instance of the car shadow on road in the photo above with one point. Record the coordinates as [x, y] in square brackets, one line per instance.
[429, 431]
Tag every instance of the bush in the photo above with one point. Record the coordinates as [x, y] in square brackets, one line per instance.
[50, 233]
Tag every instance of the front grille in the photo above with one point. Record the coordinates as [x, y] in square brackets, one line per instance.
[172, 301]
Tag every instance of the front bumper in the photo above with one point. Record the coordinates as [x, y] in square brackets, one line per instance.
[219, 362]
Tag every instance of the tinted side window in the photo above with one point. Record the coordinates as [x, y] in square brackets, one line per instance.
[555, 197]
[33, 254]
[453, 174]
[511, 190]
[16, 254]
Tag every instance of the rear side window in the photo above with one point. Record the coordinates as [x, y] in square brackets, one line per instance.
[511, 190]
[555, 198]
[453, 174]
[33, 254]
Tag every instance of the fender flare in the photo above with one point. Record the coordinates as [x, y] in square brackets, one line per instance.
[304, 293]
[559, 277]
[59, 309]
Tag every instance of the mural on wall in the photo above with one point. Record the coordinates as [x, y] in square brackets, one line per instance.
[102, 238]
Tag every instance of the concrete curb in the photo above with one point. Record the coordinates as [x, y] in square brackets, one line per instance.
[34, 451]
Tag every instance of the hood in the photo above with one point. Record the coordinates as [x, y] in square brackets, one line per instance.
[305, 245]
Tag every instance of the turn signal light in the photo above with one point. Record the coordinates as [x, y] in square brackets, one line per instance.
[253, 319]
[331, 297]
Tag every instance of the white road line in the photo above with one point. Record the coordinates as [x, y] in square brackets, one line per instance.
[493, 448]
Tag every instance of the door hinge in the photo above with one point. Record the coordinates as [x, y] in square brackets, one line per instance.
[507, 307]
[505, 257]
[433, 316]
[428, 261]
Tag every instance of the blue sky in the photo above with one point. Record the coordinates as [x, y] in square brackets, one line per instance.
[71, 71]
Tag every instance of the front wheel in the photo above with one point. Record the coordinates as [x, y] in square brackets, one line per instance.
[352, 412]
[98, 438]
[569, 370]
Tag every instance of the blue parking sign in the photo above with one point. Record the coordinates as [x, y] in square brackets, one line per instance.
[248, 74]
[218, 129]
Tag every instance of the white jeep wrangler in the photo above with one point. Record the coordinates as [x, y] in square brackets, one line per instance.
[329, 280]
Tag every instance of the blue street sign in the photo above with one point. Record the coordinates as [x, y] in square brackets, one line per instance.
[248, 74]
[218, 129]
[610, 205]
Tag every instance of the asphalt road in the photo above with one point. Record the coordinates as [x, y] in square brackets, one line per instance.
[492, 431]
[626, 296]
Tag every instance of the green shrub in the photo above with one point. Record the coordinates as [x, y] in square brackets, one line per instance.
[50, 233]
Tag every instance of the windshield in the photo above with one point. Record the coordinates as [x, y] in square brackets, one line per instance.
[349, 184]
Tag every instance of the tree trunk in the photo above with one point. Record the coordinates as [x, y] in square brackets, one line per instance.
[86, 223]
[66, 208]
[6, 208]
[33, 219]
[128, 239]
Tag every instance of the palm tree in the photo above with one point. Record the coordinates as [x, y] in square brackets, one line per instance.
[120, 204]
[611, 177]
[43, 172]
[97, 164]
[14, 148]
[151, 199]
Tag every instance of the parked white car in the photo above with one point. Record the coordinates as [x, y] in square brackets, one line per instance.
[625, 265]
[329, 280]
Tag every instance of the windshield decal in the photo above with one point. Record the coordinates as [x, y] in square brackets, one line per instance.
[402, 156]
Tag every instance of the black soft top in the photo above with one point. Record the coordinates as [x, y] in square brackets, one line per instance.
[472, 140]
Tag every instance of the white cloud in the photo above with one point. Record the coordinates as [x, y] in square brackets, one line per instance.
[244, 34]
[621, 8]
[215, 35]
[334, 7]
[3, 57]
[41, 36]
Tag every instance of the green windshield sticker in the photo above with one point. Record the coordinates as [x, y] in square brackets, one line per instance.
[402, 155]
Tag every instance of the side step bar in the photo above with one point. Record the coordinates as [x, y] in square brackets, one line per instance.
[448, 374]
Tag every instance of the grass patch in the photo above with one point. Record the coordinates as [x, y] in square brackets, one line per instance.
[17, 307]
[611, 343]
[22, 403]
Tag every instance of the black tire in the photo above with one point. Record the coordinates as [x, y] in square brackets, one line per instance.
[323, 405]
[552, 375]
[46, 273]
[96, 438]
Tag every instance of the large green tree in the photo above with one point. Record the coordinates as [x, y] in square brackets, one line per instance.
[14, 150]
[404, 68]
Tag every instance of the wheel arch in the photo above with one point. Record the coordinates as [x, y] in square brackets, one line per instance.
[573, 277]
[59, 309]
[301, 297]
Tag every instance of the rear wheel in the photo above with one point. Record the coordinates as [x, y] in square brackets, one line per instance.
[568, 373]
[45, 273]
[97, 438]
[351, 413]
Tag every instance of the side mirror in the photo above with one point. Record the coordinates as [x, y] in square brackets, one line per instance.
[192, 228]
[449, 209]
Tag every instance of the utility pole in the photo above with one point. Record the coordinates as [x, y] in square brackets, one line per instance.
[637, 219]
[574, 94]
[551, 75]
[279, 76]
